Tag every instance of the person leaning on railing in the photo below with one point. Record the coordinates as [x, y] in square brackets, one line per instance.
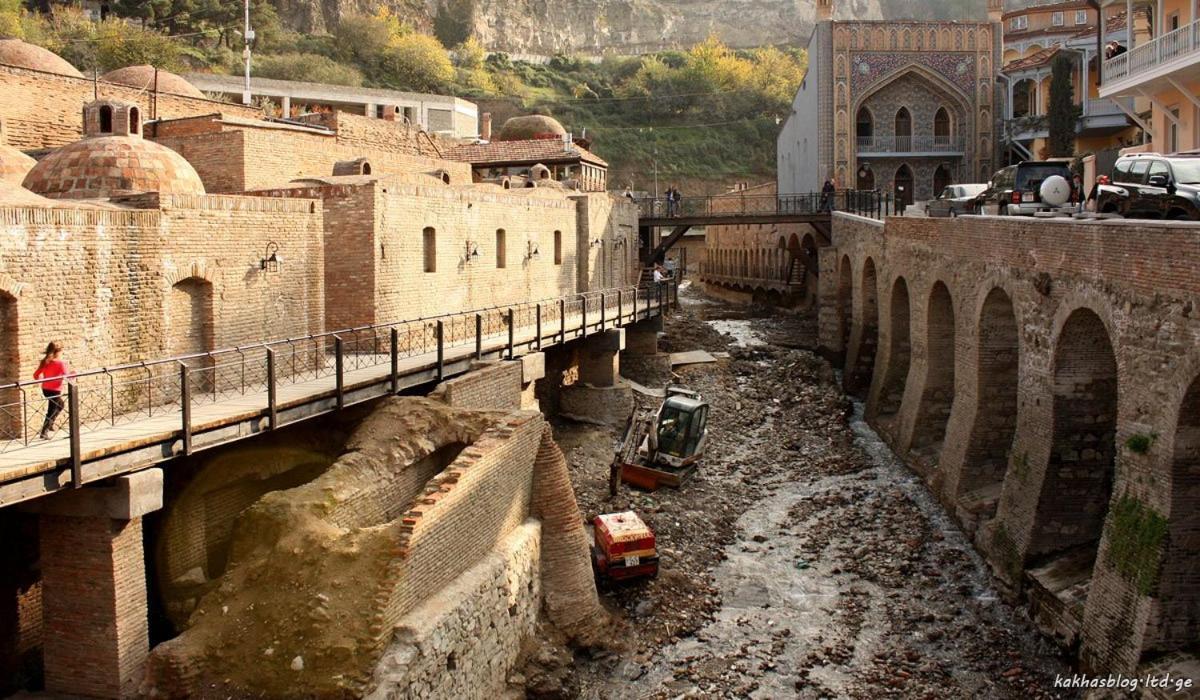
[52, 370]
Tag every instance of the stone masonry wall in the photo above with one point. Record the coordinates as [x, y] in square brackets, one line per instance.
[603, 220]
[41, 110]
[1066, 295]
[463, 641]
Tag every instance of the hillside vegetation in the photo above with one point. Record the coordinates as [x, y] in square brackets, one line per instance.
[706, 116]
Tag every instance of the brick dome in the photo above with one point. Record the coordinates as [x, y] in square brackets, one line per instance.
[14, 165]
[105, 166]
[15, 52]
[533, 126]
[142, 78]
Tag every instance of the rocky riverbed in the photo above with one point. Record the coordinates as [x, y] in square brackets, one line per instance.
[803, 561]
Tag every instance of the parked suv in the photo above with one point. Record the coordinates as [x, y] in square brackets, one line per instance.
[1153, 186]
[1016, 189]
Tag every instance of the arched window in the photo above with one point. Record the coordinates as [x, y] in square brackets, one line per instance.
[105, 119]
[134, 120]
[558, 247]
[941, 127]
[903, 130]
[501, 249]
[864, 127]
[904, 186]
[429, 241]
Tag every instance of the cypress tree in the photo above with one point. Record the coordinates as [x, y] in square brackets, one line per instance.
[1062, 112]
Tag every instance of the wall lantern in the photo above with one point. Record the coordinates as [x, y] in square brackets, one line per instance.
[597, 243]
[531, 251]
[272, 261]
[472, 252]
[620, 243]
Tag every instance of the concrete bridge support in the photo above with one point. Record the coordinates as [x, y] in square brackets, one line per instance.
[94, 586]
[600, 357]
[641, 338]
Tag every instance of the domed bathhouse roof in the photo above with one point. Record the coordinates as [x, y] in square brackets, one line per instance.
[143, 78]
[533, 126]
[16, 196]
[14, 165]
[112, 159]
[15, 52]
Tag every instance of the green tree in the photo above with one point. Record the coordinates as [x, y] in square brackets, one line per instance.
[308, 67]
[415, 62]
[1062, 113]
[454, 21]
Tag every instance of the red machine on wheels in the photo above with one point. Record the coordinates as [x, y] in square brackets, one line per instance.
[623, 548]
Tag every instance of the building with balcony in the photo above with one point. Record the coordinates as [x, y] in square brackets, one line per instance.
[1161, 64]
[1034, 39]
[906, 107]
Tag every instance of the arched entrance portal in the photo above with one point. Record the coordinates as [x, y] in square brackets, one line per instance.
[903, 186]
[941, 179]
[866, 178]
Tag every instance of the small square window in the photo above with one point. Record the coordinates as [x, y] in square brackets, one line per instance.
[1057, 19]
[1081, 17]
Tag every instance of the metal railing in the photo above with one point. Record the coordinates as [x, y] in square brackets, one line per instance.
[1184, 41]
[910, 144]
[863, 202]
[107, 397]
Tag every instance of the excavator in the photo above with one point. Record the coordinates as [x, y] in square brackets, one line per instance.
[663, 447]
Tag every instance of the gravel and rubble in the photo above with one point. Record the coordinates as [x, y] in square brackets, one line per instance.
[803, 560]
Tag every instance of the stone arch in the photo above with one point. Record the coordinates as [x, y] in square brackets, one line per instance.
[10, 367]
[904, 128]
[943, 126]
[942, 178]
[860, 359]
[989, 444]
[1178, 594]
[1077, 485]
[937, 395]
[903, 183]
[845, 301]
[895, 373]
[190, 328]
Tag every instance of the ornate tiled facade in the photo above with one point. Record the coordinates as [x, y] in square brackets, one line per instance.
[874, 70]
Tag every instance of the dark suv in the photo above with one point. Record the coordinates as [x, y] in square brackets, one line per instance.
[1152, 186]
[1016, 190]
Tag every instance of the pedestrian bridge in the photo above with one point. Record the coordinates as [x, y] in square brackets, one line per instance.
[813, 208]
[123, 419]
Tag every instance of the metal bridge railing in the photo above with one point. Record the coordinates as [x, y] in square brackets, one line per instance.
[99, 399]
[872, 203]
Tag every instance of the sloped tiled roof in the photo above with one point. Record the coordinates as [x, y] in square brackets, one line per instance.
[520, 152]
[1037, 58]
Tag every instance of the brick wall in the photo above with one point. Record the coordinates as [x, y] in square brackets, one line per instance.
[236, 155]
[492, 387]
[43, 110]
[1088, 333]
[358, 131]
[603, 220]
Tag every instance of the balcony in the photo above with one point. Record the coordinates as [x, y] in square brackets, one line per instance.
[1174, 55]
[910, 145]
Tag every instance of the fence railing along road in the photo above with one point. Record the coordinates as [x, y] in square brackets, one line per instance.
[863, 202]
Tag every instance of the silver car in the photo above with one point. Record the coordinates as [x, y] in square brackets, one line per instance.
[955, 200]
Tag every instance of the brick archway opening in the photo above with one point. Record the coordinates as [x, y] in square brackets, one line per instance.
[845, 302]
[10, 370]
[1079, 473]
[1178, 595]
[190, 329]
[860, 364]
[989, 446]
[895, 376]
[937, 398]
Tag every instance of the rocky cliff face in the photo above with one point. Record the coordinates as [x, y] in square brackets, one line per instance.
[546, 27]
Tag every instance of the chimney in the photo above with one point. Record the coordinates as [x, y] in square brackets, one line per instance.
[485, 126]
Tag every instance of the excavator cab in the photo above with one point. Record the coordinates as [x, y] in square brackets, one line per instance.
[663, 448]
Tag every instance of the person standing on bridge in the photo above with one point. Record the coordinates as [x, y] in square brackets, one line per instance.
[52, 370]
[828, 192]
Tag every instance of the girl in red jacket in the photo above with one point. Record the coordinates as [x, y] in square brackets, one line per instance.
[52, 371]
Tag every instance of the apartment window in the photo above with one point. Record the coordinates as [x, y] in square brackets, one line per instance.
[429, 239]
[1080, 16]
[501, 249]
[558, 247]
[1019, 22]
[1056, 19]
[1173, 22]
